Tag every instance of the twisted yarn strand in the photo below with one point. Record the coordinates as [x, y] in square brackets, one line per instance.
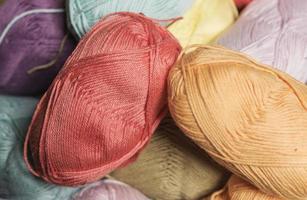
[249, 117]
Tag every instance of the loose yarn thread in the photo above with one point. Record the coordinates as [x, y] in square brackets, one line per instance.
[172, 167]
[238, 189]
[249, 117]
[83, 14]
[273, 32]
[204, 21]
[16, 181]
[109, 190]
[112, 91]
[27, 28]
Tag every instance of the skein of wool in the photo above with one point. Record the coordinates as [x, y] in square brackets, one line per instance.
[204, 21]
[83, 14]
[109, 190]
[275, 33]
[238, 189]
[33, 45]
[242, 3]
[250, 118]
[105, 103]
[172, 167]
[16, 181]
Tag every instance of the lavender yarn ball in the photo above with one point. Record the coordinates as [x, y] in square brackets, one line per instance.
[34, 44]
[275, 33]
[109, 190]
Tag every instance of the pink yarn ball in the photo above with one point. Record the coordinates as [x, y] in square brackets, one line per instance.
[275, 33]
[109, 190]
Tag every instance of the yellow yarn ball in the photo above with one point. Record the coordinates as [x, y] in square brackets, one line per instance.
[204, 21]
[250, 118]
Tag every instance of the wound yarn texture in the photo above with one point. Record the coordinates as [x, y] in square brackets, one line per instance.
[109, 190]
[172, 167]
[238, 189]
[204, 21]
[249, 117]
[16, 182]
[31, 33]
[83, 14]
[273, 32]
[105, 103]
[242, 3]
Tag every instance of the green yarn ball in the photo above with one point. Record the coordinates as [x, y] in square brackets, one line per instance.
[83, 14]
[16, 182]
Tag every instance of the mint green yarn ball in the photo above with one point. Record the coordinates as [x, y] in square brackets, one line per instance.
[83, 14]
[15, 115]
[16, 182]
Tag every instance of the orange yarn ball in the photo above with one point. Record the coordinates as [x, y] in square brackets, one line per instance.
[250, 118]
[238, 189]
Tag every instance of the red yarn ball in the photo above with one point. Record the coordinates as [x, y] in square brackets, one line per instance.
[105, 103]
[242, 3]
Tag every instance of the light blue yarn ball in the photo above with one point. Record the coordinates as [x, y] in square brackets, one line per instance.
[17, 183]
[15, 115]
[83, 14]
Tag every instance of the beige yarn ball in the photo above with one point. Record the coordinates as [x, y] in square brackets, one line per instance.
[172, 167]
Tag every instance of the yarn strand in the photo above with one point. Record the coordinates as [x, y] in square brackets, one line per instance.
[52, 62]
[24, 14]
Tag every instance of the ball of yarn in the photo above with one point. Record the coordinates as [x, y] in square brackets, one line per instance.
[204, 21]
[16, 181]
[172, 167]
[83, 14]
[238, 189]
[109, 190]
[249, 117]
[34, 45]
[105, 103]
[15, 114]
[275, 33]
[242, 3]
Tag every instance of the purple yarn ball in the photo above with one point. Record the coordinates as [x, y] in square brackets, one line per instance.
[109, 190]
[33, 34]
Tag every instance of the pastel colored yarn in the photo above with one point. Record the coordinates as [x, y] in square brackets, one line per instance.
[109, 190]
[275, 33]
[105, 103]
[242, 3]
[33, 36]
[172, 167]
[205, 21]
[16, 181]
[83, 14]
[249, 117]
[238, 189]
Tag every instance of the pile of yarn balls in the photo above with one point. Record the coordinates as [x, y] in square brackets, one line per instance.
[153, 99]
